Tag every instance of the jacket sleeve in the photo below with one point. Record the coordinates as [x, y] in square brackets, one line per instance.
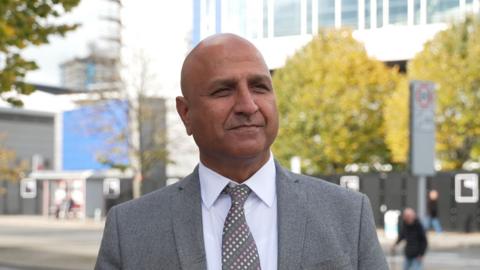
[423, 242]
[401, 235]
[109, 256]
[370, 253]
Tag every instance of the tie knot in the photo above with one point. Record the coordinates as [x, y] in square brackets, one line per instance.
[238, 193]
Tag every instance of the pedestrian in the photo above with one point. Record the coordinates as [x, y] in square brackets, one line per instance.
[414, 235]
[432, 219]
[239, 208]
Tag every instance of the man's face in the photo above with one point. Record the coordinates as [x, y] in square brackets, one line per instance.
[230, 106]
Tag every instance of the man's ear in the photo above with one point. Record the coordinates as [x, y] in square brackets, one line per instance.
[183, 112]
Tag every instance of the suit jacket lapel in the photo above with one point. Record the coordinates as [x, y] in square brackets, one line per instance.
[187, 223]
[291, 220]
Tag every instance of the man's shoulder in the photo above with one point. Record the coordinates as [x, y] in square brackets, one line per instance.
[159, 199]
[322, 186]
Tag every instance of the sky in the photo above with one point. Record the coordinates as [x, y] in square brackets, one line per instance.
[159, 30]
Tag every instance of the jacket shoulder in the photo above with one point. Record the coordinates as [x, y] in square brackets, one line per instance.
[322, 187]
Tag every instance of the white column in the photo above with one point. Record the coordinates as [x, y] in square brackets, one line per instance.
[476, 6]
[386, 13]
[338, 13]
[225, 23]
[361, 14]
[303, 17]
[260, 18]
[58, 142]
[463, 8]
[423, 11]
[270, 18]
[203, 19]
[411, 12]
[314, 17]
[373, 14]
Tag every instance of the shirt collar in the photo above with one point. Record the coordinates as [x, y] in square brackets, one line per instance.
[262, 183]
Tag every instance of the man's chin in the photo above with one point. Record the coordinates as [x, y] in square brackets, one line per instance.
[250, 154]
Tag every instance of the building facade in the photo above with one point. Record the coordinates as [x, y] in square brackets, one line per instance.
[391, 30]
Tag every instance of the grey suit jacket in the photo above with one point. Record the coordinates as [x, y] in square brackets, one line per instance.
[320, 226]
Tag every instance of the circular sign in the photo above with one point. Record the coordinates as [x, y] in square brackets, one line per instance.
[424, 96]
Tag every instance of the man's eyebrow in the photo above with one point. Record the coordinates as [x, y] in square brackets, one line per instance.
[223, 81]
[258, 78]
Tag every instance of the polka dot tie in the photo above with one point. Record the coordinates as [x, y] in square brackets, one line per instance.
[239, 250]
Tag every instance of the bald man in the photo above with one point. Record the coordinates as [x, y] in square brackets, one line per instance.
[239, 209]
[413, 233]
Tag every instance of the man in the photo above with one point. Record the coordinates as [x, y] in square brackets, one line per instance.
[239, 209]
[432, 207]
[413, 233]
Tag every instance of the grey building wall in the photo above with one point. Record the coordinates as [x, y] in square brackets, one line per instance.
[27, 133]
[94, 197]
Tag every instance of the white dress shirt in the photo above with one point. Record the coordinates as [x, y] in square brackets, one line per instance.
[260, 213]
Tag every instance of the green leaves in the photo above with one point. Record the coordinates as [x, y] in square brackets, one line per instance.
[25, 23]
[331, 99]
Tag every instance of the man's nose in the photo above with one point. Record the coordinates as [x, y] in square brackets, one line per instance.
[245, 101]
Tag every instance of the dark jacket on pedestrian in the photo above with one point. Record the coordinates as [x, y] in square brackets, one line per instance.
[416, 239]
[432, 208]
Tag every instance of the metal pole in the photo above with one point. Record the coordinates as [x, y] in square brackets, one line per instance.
[422, 198]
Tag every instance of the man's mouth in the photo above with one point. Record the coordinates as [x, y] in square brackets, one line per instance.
[246, 127]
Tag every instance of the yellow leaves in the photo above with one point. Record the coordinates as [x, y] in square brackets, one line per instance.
[396, 122]
[451, 61]
[332, 90]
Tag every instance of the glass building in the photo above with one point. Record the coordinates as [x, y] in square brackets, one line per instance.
[295, 21]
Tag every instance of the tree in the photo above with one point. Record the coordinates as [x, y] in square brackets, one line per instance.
[331, 98]
[11, 168]
[451, 61]
[24, 23]
[396, 121]
[131, 124]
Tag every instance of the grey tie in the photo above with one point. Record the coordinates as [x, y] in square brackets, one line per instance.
[239, 250]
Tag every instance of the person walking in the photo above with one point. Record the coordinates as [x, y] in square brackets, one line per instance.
[416, 240]
[433, 221]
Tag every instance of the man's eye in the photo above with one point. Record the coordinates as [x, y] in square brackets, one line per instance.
[221, 92]
[261, 88]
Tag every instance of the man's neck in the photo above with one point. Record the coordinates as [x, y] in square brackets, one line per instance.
[238, 170]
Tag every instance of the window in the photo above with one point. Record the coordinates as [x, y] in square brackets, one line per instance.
[242, 17]
[286, 18]
[379, 13]
[398, 11]
[309, 16]
[350, 13]
[416, 12]
[442, 10]
[326, 13]
[368, 14]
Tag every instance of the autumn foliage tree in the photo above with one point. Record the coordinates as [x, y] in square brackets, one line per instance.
[331, 96]
[451, 60]
[24, 23]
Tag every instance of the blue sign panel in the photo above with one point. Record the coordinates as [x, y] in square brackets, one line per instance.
[95, 136]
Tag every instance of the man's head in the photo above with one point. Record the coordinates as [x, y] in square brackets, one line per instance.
[433, 194]
[228, 102]
[409, 216]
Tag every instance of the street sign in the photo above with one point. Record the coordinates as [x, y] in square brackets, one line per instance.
[466, 188]
[350, 182]
[111, 188]
[28, 188]
[422, 128]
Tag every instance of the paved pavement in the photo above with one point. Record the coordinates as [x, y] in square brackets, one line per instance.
[38, 243]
